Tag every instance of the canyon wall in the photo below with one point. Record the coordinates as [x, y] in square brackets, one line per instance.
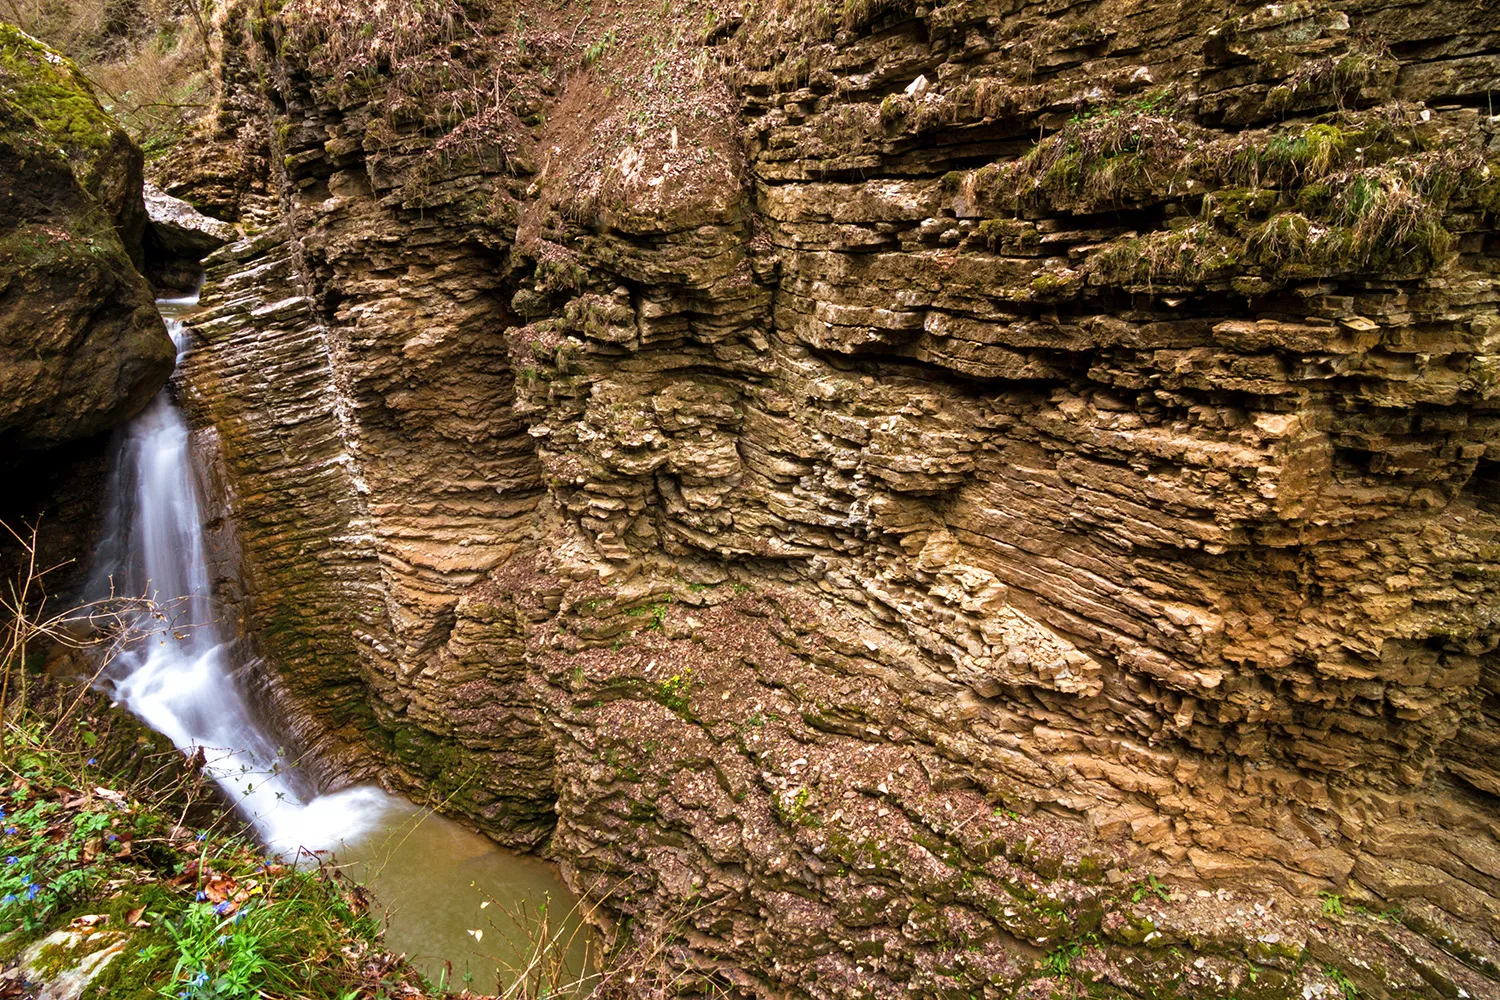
[935, 500]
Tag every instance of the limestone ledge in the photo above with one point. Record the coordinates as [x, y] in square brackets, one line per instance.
[867, 565]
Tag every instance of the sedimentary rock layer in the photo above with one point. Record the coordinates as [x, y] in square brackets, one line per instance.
[968, 499]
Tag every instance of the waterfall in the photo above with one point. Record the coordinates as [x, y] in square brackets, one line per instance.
[433, 878]
[184, 681]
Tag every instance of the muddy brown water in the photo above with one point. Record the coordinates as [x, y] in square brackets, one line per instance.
[466, 912]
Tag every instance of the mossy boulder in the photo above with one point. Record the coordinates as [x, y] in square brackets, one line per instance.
[60, 106]
[83, 345]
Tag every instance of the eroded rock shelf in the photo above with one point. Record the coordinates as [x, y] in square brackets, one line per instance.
[971, 499]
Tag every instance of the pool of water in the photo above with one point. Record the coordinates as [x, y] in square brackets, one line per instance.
[466, 912]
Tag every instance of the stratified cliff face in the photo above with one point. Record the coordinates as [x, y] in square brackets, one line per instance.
[84, 348]
[968, 499]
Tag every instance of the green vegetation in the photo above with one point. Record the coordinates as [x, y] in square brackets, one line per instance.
[54, 249]
[793, 809]
[1099, 159]
[150, 69]
[108, 834]
[1350, 192]
[656, 611]
[1303, 155]
[1059, 961]
[1332, 80]
[676, 692]
[599, 48]
[53, 91]
[1153, 886]
[204, 914]
[1342, 981]
[1192, 255]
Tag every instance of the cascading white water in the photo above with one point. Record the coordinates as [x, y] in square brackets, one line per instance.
[182, 681]
[434, 878]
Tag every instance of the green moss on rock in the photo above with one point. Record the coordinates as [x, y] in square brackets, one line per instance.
[50, 100]
[85, 347]
[52, 89]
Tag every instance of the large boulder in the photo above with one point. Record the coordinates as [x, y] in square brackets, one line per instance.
[82, 347]
[180, 229]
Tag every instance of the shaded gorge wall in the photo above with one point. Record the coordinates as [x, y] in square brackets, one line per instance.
[870, 497]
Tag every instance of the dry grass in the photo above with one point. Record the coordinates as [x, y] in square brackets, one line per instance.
[1101, 160]
[1353, 192]
[81, 28]
[1338, 80]
[158, 89]
[463, 81]
[1387, 217]
[1168, 259]
[1300, 155]
[31, 626]
[147, 59]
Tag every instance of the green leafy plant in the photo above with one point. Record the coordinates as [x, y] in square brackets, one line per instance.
[94, 826]
[675, 691]
[218, 953]
[1151, 887]
[1059, 961]
[1342, 981]
[597, 49]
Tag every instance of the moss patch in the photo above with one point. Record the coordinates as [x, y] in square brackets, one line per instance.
[51, 89]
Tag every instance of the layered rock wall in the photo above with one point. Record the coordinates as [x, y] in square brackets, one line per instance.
[960, 500]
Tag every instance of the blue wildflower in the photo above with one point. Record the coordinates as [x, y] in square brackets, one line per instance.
[202, 834]
[25, 879]
[10, 897]
[31, 893]
[223, 939]
[12, 860]
[202, 895]
[223, 908]
[93, 761]
[11, 831]
[201, 979]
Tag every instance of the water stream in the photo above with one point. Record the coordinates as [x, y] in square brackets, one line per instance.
[437, 881]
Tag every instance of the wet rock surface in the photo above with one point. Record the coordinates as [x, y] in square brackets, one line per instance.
[977, 501]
